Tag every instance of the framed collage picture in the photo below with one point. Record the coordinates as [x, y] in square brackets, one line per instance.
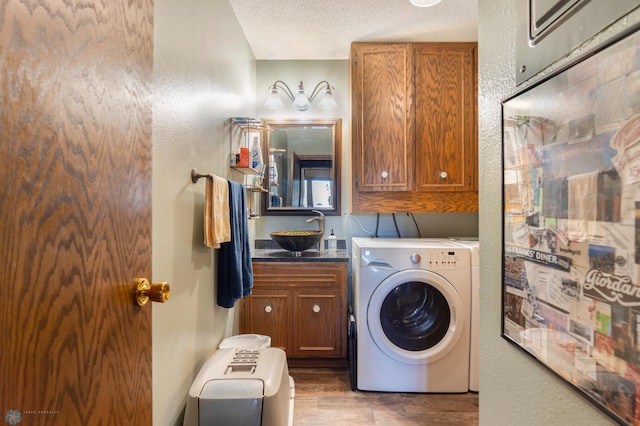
[571, 225]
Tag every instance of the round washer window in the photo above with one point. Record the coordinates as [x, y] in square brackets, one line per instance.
[415, 316]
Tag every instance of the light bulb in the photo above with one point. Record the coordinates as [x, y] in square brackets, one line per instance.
[424, 3]
[301, 103]
[274, 101]
[327, 101]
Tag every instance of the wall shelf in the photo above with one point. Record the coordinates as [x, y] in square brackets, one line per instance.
[245, 170]
[240, 134]
[251, 188]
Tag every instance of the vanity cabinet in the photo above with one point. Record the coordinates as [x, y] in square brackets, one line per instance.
[414, 118]
[300, 305]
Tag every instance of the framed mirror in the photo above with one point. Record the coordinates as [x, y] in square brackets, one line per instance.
[302, 163]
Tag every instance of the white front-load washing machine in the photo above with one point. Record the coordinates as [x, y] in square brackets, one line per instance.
[412, 304]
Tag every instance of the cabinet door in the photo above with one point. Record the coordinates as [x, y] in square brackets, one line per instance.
[382, 91]
[269, 312]
[446, 141]
[318, 330]
[301, 305]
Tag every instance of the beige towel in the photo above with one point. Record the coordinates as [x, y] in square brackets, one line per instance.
[216, 212]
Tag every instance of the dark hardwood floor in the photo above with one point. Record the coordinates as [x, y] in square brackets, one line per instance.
[323, 396]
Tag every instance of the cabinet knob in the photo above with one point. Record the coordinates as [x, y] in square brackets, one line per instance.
[316, 307]
[443, 175]
[384, 174]
[268, 309]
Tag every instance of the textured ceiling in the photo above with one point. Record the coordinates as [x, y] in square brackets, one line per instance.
[324, 29]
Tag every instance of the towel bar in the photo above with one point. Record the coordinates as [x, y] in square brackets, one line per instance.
[195, 176]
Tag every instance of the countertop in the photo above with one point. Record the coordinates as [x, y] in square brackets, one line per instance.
[269, 251]
[280, 255]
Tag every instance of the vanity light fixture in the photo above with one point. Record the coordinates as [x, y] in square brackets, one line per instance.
[300, 101]
[424, 3]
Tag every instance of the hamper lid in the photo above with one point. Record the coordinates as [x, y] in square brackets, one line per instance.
[246, 341]
[233, 389]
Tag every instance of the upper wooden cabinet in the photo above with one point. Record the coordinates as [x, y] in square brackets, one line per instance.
[414, 136]
[382, 119]
[445, 120]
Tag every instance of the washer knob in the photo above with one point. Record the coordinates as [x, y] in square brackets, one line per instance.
[415, 258]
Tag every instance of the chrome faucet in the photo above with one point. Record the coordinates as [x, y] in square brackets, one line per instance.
[320, 220]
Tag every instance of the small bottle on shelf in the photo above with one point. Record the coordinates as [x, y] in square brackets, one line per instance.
[256, 154]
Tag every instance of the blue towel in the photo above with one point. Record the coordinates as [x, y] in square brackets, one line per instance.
[235, 273]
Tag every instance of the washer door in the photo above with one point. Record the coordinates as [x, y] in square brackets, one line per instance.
[415, 316]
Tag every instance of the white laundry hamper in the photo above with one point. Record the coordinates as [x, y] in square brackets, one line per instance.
[245, 383]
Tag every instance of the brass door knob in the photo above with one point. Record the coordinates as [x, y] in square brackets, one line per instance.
[157, 292]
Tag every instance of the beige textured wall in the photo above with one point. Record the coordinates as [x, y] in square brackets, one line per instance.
[204, 74]
[514, 389]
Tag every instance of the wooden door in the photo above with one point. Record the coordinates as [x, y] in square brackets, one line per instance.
[268, 312]
[317, 313]
[446, 141]
[75, 211]
[382, 92]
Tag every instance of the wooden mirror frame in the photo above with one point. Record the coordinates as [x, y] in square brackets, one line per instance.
[295, 165]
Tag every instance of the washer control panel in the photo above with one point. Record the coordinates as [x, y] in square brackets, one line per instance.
[412, 257]
[440, 259]
[444, 257]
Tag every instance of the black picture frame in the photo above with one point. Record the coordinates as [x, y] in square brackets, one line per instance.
[571, 225]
